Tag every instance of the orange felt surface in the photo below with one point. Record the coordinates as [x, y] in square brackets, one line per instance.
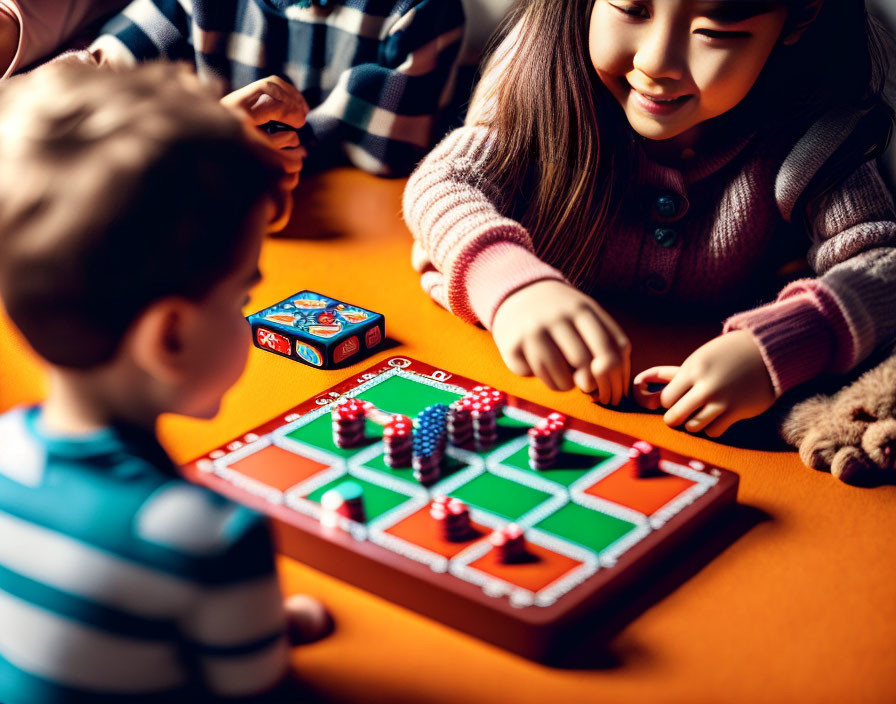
[646, 495]
[792, 600]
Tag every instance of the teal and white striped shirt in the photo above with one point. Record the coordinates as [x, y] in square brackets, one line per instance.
[121, 582]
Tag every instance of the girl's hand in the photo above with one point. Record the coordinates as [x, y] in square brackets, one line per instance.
[556, 332]
[273, 99]
[722, 382]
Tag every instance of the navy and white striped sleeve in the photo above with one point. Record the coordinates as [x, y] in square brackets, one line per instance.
[234, 630]
[145, 30]
[386, 115]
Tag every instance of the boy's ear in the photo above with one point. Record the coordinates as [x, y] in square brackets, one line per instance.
[160, 337]
[803, 18]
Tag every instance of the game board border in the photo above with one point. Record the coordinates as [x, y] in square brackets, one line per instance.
[356, 556]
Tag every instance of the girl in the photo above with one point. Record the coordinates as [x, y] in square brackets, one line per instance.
[671, 151]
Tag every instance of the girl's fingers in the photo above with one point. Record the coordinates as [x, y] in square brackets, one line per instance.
[585, 380]
[570, 343]
[610, 368]
[685, 407]
[546, 360]
[677, 387]
[706, 415]
[642, 394]
[604, 382]
[640, 385]
[603, 351]
[721, 424]
[515, 360]
[622, 348]
[591, 330]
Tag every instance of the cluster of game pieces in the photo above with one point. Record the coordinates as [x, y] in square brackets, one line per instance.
[421, 444]
[545, 439]
[644, 459]
[345, 500]
[430, 441]
[348, 416]
[453, 519]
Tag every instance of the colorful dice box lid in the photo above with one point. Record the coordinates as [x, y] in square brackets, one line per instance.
[316, 315]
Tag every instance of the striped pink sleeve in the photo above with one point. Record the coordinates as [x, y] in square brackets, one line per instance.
[801, 335]
[833, 322]
[480, 256]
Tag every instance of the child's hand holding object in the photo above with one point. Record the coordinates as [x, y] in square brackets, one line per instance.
[722, 382]
[273, 99]
[554, 331]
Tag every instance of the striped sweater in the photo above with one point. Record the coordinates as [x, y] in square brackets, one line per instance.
[710, 231]
[380, 76]
[120, 582]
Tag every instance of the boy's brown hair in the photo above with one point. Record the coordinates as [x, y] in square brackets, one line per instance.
[116, 190]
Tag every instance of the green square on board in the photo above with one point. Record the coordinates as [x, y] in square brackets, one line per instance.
[319, 433]
[500, 496]
[574, 461]
[377, 499]
[450, 466]
[400, 395]
[393, 395]
[591, 529]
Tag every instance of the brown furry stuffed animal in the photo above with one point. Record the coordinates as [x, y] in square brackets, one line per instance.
[853, 432]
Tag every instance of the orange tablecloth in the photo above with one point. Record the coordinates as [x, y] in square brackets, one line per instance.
[794, 602]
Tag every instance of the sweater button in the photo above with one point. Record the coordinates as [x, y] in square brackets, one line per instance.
[667, 206]
[665, 237]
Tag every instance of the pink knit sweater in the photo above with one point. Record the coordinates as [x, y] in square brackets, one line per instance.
[730, 211]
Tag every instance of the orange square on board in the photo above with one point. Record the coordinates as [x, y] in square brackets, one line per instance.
[644, 494]
[277, 467]
[544, 568]
[422, 529]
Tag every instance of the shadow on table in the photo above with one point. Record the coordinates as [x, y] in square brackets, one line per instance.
[759, 433]
[593, 647]
[344, 204]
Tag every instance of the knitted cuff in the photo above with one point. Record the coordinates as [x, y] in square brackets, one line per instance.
[498, 271]
[793, 336]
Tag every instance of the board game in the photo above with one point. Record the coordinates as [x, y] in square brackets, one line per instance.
[590, 523]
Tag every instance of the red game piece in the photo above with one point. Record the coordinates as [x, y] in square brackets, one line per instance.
[453, 518]
[398, 441]
[545, 440]
[510, 544]
[348, 415]
[645, 459]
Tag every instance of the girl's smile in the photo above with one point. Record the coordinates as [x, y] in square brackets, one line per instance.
[658, 104]
[674, 64]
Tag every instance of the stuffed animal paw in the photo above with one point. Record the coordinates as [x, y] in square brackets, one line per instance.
[851, 433]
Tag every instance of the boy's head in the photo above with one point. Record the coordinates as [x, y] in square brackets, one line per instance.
[121, 191]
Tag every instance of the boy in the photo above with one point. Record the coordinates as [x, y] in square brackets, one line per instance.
[133, 211]
[380, 76]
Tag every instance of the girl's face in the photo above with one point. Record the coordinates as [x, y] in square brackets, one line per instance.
[674, 64]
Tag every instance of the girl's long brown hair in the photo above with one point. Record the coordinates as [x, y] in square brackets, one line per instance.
[563, 178]
[547, 153]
